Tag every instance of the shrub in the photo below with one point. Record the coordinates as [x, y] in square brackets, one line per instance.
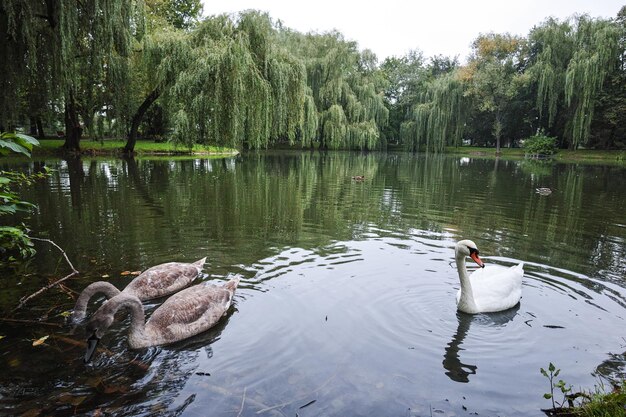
[540, 144]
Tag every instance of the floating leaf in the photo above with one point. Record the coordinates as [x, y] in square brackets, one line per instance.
[70, 399]
[33, 412]
[1, 337]
[125, 273]
[66, 313]
[40, 341]
[105, 276]
[136, 273]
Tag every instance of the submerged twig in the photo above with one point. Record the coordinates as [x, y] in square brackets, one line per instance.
[42, 323]
[47, 287]
[243, 399]
[274, 407]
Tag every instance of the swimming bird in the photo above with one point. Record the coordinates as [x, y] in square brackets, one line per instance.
[185, 314]
[543, 191]
[157, 281]
[487, 289]
[359, 178]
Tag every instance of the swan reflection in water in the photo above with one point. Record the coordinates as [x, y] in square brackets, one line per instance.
[455, 369]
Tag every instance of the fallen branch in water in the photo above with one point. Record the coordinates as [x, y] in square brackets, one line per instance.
[57, 282]
[41, 323]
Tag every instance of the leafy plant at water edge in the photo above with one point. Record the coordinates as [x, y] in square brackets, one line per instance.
[602, 404]
[551, 374]
[540, 144]
[14, 242]
[594, 404]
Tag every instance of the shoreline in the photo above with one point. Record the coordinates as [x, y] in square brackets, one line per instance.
[151, 148]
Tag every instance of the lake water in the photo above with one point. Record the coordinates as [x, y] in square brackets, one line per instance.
[347, 301]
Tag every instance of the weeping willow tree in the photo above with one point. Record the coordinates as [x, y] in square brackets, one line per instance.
[79, 50]
[570, 63]
[239, 88]
[343, 92]
[552, 43]
[438, 117]
[596, 48]
[165, 52]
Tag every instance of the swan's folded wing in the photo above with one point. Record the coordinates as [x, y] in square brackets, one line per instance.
[497, 288]
[190, 312]
[162, 280]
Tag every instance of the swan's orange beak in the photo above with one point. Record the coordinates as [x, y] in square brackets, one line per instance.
[474, 256]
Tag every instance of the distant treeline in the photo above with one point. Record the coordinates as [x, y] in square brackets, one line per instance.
[154, 69]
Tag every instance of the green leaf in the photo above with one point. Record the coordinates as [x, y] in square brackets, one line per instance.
[557, 373]
[547, 396]
[28, 139]
[14, 147]
[551, 367]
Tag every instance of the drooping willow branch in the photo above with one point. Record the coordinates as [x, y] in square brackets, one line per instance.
[74, 272]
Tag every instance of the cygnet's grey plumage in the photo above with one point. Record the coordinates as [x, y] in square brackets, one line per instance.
[157, 281]
[185, 314]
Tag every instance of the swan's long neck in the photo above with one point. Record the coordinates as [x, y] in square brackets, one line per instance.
[80, 309]
[466, 301]
[137, 333]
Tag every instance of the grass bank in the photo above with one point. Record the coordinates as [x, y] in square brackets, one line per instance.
[563, 155]
[142, 148]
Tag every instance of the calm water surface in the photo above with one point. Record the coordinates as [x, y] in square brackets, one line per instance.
[347, 300]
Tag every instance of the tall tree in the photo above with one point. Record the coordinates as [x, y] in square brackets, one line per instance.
[239, 88]
[345, 90]
[490, 76]
[87, 44]
[570, 63]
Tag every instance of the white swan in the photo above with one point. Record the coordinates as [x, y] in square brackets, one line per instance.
[184, 314]
[487, 289]
[157, 281]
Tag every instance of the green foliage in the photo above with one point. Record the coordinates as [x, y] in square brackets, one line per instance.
[540, 144]
[597, 404]
[239, 88]
[605, 404]
[438, 117]
[181, 14]
[344, 101]
[15, 245]
[14, 242]
[551, 374]
[16, 142]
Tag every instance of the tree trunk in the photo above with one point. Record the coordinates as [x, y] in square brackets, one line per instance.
[40, 132]
[73, 130]
[138, 116]
[33, 126]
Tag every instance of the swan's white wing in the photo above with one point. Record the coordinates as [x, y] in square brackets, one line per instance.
[496, 288]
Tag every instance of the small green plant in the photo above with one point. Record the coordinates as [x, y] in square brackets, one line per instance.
[551, 374]
[14, 241]
[540, 144]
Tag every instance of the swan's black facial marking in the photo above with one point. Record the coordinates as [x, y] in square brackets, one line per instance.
[473, 250]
